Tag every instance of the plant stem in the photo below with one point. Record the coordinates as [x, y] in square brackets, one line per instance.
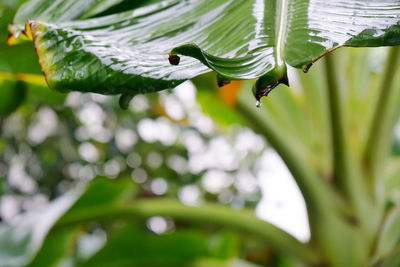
[209, 213]
[1, 125]
[316, 192]
[339, 146]
[346, 170]
[382, 126]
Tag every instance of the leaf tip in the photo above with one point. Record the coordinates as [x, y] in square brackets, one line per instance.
[262, 88]
[124, 101]
[29, 28]
[221, 81]
[16, 35]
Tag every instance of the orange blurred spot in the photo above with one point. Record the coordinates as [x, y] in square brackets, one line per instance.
[229, 92]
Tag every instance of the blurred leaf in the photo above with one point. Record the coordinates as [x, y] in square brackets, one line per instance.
[55, 247]
[20, 241]
[389, 235]
[19, 59]
[130, 247]
[213, 104]
[225, 245]
[211, 262]
[393, 261]
[342, 244]
[392, 179]
[213, 214]
[102, 192]
[41, 94]
[16, 59]
[12, 94]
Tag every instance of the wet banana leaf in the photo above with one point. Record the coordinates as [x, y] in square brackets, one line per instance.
[118, 47]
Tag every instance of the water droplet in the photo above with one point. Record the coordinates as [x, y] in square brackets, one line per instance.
[258, 104]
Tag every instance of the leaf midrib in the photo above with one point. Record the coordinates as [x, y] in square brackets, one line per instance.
[281, 30]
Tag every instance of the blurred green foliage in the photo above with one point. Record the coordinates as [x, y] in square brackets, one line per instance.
[42, 142]
[100, 174]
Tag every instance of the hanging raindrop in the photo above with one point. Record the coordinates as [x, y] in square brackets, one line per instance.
[258, 104]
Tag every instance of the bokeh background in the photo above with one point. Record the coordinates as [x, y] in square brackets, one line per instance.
[186, 144]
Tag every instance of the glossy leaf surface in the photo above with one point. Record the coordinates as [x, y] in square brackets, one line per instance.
[127, 52]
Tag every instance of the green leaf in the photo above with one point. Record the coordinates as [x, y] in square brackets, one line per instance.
[392, 261]
[214, 103]
[225, 245]
[392, 181]
[127, 52]
[106, 200]
[12, 94]
[102, 192]
[212, 214]
[389, 235]
[129, 246]
[55, 247]
[21, 241]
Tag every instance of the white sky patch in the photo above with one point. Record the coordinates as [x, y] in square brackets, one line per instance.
[282, 203]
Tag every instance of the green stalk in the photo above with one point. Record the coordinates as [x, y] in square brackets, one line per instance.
[1, 125]
[382, 125]
[340, 168]
[316, 192]
[243, 220]
[346, 170]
